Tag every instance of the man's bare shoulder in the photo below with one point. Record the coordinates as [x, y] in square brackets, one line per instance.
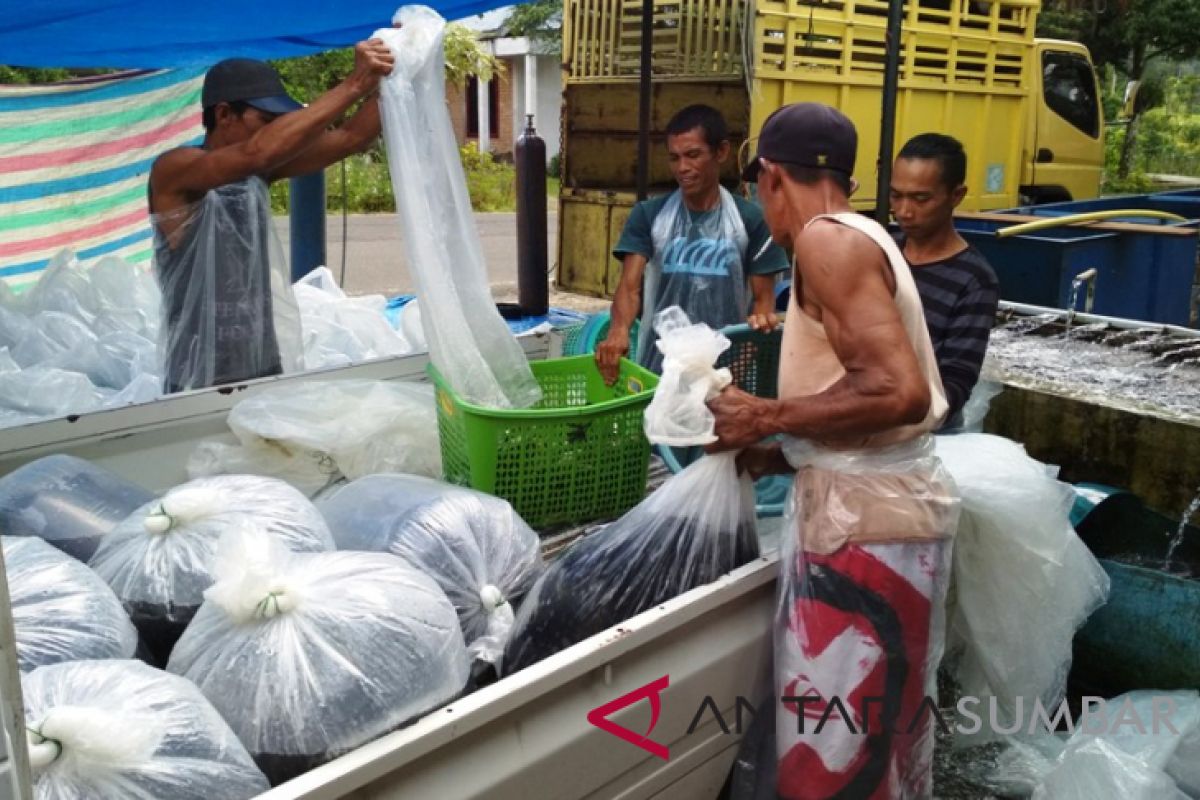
[827, 246]
[163, 192]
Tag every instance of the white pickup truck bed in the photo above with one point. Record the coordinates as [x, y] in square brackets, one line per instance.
[527, 736]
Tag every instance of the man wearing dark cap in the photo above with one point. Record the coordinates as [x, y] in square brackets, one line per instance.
[865, 549]
[228, 313]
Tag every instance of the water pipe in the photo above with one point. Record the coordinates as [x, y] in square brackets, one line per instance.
[1088, 276]
[1087, 216]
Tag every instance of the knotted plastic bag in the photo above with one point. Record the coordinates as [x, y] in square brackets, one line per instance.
[469, 342]
[62, 611]
[678, 414]
[699, 525]
[67, 501]
[1016, 555]
[480, 552]
[121, 729]
[308, 655]
[159, 559]
[313, 434]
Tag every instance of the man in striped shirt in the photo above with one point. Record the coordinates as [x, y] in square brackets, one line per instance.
[959, 291]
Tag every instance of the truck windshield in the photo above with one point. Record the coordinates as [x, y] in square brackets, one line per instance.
[1070, 90]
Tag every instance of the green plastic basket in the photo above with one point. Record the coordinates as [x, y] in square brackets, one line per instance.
[578, 456]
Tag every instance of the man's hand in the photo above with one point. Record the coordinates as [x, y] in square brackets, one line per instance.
[610, 352]
[763, 321]
[739, 417]
[763, 459]
[372, 60]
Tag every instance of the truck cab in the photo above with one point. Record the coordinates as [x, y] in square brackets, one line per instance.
[1064, 136]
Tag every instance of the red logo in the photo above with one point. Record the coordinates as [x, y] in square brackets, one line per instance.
[599, 717]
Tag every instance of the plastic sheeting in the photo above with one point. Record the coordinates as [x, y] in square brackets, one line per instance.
[341, 330]
[678, 414]
[81, 339]
[1016, 556]
[480, 552]
[228, 311]
[159, 559]
[315, 433]
[62, 611]
[864, 563]
[68, 502]
[1137, 746]
[712, 289]
[308, 655]
[469, 342]
[121, 729]
[697, 526]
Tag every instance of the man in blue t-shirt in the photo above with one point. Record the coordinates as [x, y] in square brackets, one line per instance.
[698, 248]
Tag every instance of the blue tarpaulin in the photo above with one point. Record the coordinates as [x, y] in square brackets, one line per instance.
[151, 33]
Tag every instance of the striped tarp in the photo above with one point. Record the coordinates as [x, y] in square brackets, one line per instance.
[74, 159]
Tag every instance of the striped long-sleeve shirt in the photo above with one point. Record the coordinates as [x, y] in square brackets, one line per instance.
[959, 295]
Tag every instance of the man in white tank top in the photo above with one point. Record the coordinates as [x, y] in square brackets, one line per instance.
[865, 551]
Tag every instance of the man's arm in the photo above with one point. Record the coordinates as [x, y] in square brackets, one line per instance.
[626, 304]
[355, 136]
[762, 311]
[883, 388]
[961, 353]
[188, 172]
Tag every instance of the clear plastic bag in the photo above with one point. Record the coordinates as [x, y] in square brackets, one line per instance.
[341, 330]
[314, 433]
[61, 610]
[697, 265]
[308, 655]
[121, 729]
[159, 560]
[68, 502]
[1137, 746]
[678, 414]
[1016, 555]
[228, 310]
[480, 552]
[697, 526]
[469, 342]
[864, 564]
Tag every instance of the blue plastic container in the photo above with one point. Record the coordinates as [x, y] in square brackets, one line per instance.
[1141, 275]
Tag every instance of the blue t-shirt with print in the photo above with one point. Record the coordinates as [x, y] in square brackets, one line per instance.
[700, 267]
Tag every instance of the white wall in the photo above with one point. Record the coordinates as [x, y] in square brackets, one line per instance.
[548, 102]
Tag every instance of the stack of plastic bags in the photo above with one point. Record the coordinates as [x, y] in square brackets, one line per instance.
[1016, 556]
[475, 546]
[1144, 745]
[159, 560]
[121, 729]
[678, 414]
[62, 611]
[341, 330]
[469, 342]
[308, 655]
[316, 433]
[84, 337]
[68, 502]
[699, 525]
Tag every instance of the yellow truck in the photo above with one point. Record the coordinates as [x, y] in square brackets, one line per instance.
[1026, 109]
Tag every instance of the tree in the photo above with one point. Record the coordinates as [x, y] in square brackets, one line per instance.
[540, 20]
[1131, 35]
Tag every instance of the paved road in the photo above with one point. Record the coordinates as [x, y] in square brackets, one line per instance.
[376, 261]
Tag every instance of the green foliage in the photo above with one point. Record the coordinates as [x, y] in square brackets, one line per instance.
[466, 56]
[1167, 142]
[554, 167]
[491, 184]
[540, 20]
[27, 75]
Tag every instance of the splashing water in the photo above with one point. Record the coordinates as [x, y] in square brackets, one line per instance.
[1177, 539]
[1116, 368]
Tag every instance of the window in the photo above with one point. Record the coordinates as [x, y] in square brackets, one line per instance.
[473, 108]
[1070, 90]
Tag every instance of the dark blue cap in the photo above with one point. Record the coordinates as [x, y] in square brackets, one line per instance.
[252, 82]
